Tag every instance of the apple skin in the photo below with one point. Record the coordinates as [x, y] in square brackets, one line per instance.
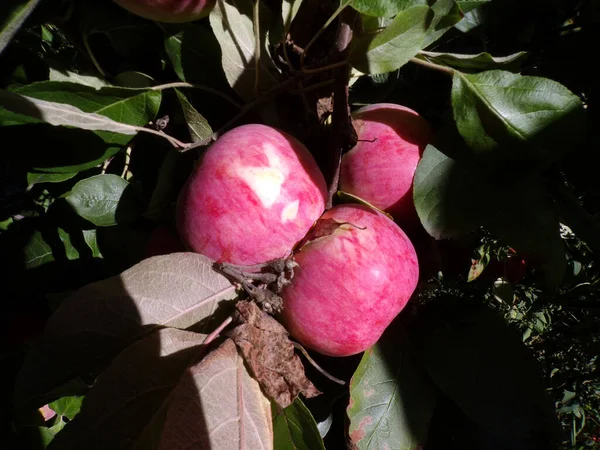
[254, 194]
[381, 167]
[350, 285]
[169, 11]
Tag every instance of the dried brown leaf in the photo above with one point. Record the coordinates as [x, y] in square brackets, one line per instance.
[269, 353]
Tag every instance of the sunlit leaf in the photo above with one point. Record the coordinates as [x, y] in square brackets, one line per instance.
[231, 22]
[480, 61]
[17, 14]
[177, 290]
[197, 125]
[391, 398]
[384, 8]
[394, 46]
[497, 111]
[103, 200]
[218, 405]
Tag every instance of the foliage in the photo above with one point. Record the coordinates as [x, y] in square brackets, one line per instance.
[102, 117]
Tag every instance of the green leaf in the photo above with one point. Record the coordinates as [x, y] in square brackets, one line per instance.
[446, 15]
[384, 8]
[466, 6]
[37, 178]
[66, 76]
[195, 54]
[36, 252]
[67, 406]
[394, 46]
[471, 354]
[42, 246]
[231, 22]
[451, 197]
[14, 18]
[197, 125]
[104, 200]
[295, 428]
[89, 236]
[47, 434]
[470, 21]
[480, 61]
[391, 398]
[178, 290]
[73, 150]
[536, 118]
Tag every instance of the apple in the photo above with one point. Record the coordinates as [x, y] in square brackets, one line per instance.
[254, 194]
[353, 278]
[381, 167]
[170, 11]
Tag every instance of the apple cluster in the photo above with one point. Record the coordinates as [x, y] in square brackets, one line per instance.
[257, 194]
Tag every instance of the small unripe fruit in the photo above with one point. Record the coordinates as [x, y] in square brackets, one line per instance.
[170, 11]
[255, 193]
[381, 167]
[351, 282]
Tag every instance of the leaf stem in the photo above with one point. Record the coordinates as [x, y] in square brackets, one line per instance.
[174, 142]
[86, 44]
[316, 366]
[256, 20]
[212, 336]
[321, 30]
[444, 69]
[200, 87]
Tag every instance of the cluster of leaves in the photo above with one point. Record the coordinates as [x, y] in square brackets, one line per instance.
[102, 113]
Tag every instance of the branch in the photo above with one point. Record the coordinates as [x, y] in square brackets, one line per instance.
[343, 136]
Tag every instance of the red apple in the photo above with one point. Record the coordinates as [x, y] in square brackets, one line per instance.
[170, 11]
[255, 193]
[381, 167]
[351, 282]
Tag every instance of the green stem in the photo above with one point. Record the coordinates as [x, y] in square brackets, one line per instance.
[444, 69]
[183, 84]
[91, 55]
[322, 29]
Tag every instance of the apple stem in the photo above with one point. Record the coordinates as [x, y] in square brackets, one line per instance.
[316, 366]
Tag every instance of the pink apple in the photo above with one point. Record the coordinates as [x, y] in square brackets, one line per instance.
[255, 193]
[171, 11]
[351, 282]
[381, 167]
